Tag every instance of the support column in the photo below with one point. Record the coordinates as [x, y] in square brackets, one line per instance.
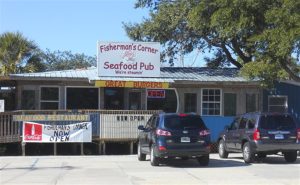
[54, 149]
[23, 148]
[81, 149]
[131, 147]
[104, 148]
[100, 148]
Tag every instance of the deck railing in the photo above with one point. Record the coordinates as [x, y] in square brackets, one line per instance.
[107, 125]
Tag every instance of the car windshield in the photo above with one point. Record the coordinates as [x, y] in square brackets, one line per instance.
[277, 122]
[184, 122]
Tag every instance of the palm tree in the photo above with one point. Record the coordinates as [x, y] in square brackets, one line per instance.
[18, 54]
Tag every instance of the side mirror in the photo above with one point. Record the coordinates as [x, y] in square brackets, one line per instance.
[141, 127]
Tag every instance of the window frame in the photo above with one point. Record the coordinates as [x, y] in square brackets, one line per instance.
[221, 101]
[49, 101]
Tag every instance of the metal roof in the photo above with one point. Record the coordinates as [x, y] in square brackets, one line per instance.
[168, 74]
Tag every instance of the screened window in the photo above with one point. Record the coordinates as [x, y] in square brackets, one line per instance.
[251, 104]
[229, 104]
[277, 104]
[49, 98]
[211, 102]
[190, 102]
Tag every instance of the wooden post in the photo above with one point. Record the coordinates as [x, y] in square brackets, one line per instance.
[81, 149]
[104, 148]
[100, 148]
[131, 147]
[54, 149]
[23, 148]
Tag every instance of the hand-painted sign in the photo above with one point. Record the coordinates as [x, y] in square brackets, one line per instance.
[130, 84]
[138, 59]
[52, 117]
[156, 93]
[43, 133]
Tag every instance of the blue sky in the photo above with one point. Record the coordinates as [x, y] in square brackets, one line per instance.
[74, 25]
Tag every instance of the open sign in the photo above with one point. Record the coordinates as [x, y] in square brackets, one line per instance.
[156, 93]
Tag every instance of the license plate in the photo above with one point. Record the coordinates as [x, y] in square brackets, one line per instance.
[279, 136]
[185, 139]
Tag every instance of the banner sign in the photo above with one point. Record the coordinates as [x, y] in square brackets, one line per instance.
[138, 59]
[52, 117]
[156, 93]
[70, 133]
[130, 84]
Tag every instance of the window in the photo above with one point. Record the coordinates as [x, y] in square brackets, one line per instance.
[234, 125]
[190, 102]
[251, 122]
[167, 103]
[28, 100]
[211, 101]
[82, 98]
[277, 104]
[229, 104]
[49, 98]
[243, 123]
[251, 103]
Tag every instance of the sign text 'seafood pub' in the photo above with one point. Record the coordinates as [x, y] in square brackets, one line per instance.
[129, 59]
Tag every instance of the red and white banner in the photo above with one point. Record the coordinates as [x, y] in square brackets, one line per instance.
[70, 133]
[137, 59]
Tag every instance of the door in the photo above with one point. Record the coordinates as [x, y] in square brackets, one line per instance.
[143, 137]
[230, 135]
[237, 137]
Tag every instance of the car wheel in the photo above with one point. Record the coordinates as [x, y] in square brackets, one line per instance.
[153, 159]
[248, 154]
[222, 151]
[141, 156]
[290, 156]
[203, 160]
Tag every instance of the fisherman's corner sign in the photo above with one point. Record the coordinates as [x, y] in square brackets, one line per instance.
[132, 59]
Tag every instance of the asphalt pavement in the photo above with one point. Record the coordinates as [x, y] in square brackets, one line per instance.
[127, 170]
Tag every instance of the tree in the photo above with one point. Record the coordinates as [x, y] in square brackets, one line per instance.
[260, 37]
[64, 60]
[18, 54]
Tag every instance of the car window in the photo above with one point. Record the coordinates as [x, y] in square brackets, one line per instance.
[184, 122]
[148, 124]
[251, 122]
[154, 121]
[277, 122]
[243, 122]
[234, 124]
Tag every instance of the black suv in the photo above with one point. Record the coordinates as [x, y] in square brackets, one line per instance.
[260, 134]
[170, 135]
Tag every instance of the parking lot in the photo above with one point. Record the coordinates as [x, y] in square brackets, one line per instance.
[126, 169]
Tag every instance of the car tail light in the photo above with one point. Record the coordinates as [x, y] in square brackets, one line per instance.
[298, 134]
[162, 148]
[160, 132]
[204, 133]
[182, 115]
[256, 135]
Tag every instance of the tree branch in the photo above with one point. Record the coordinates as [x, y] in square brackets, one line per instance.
[240, 53]
[292, 75]
[229, 57]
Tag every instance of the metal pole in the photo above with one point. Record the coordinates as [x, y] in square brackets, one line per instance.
[104, 148]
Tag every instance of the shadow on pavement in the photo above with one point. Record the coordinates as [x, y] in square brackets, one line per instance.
[213, 163]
